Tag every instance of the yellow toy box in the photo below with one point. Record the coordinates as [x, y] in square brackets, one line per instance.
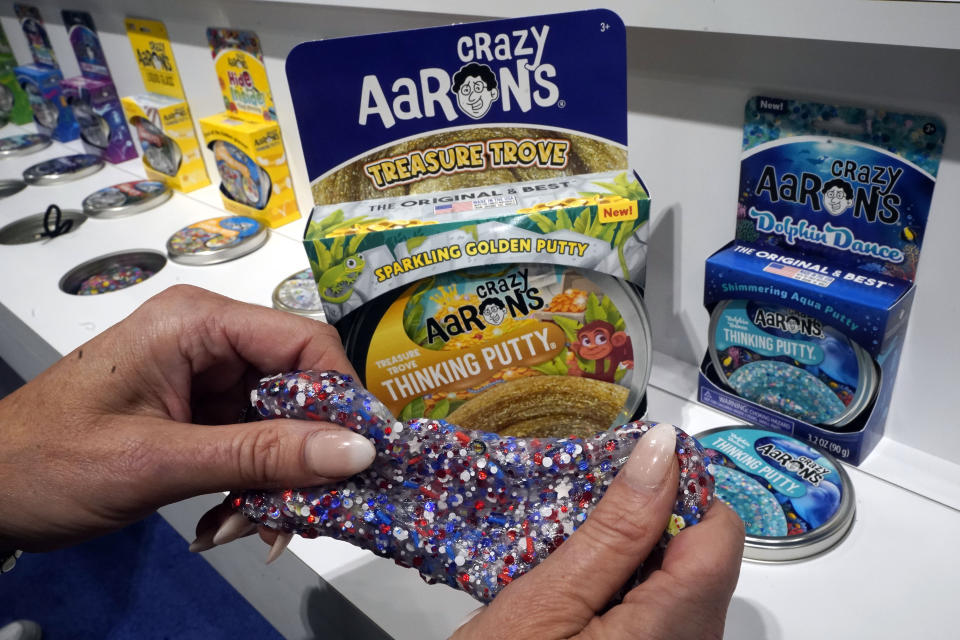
[245, 140]
[171, 151]
[255, 179]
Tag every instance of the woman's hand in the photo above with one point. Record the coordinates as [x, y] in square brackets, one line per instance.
[686, 597]
[104, 436]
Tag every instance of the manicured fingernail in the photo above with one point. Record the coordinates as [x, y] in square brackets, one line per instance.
[202, 543]
[338, 453]
[236, 526]
[279, 545]
[652, 458]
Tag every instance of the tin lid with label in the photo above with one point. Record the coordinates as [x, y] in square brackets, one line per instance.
[160, 152]
[790, 362]
[298, 294]
[41, 226]
[216, 240]
[23, 144]
[63, 169]
[795, 500]
[522, 350]
[112, 272]
[94, 129]
[242, 179]
[126, 198]
[11, 187]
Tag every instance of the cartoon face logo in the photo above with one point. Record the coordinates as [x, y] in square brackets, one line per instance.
[792, 324]
[493, 311]
[476, 88]
[837, 196]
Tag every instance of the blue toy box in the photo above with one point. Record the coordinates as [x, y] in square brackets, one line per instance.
[832, 211]
[50, 109]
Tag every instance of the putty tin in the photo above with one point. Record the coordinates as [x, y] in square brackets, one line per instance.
[795, 500]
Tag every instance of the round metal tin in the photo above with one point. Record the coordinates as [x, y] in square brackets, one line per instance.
[24, 144]
[11, 187]
[63, 169]
[298, 294]
[159, 150]
[242, 179]
[216, 240]
[126, 198]
[789, 362]
[795, 500]
[31, 229]
[94, 129]
[112, 272]
[445, 315]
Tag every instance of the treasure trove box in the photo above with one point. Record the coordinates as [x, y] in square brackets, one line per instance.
[809, 303]
[473, 206]
[161, 117]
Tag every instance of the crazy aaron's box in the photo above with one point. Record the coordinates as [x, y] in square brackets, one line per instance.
[161, 117]
[476, 233]
[809, 304]
[245, 140]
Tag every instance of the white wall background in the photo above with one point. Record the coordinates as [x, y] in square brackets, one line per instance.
[687, 89]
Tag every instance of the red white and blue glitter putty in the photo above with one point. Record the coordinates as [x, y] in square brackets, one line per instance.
[467, 508]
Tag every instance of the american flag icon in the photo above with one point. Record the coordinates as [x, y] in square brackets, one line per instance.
[454, 207]
[783, 270]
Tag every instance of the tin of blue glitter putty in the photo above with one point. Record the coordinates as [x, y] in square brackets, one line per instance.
[795, 500]
[23, 144]
[298, 294]
[216, 240]
[126, 198]
[790, 362]
[63, 169]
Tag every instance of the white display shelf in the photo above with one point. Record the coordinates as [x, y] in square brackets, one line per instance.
[907, 23]
[906, 500]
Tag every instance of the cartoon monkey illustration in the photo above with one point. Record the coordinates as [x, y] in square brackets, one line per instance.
[608, 349]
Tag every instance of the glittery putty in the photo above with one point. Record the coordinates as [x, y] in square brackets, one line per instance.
[470, 509]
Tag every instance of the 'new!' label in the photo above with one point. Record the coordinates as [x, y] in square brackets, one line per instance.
[620, 209]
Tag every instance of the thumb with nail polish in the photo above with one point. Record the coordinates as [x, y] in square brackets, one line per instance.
[564, 595]
[270, 454]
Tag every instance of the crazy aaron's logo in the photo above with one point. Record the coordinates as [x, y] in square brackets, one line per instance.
[789, 323]
[521, 80]
[510, 295]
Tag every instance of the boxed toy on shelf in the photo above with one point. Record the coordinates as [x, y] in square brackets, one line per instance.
[92, 95]
[41, 80]
[246, 139]
[14, 104]
[809, 304]
[161, 117]
[476, 233]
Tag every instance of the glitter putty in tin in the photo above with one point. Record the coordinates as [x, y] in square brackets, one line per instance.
[444, 345]
[470, 509]
[788, 361]
[795, 501]
[112, 272]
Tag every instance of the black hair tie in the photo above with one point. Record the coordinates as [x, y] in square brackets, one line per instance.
[54, 224]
